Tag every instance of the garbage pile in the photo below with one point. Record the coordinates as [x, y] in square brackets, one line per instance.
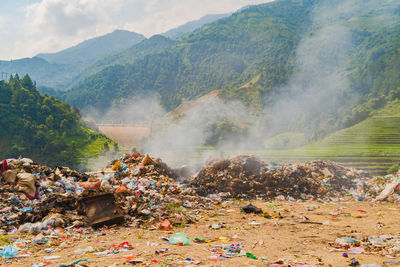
[386, 188]
[142, 191]
[249, 177]
[146, 191]
[386, 245]
[136, 189]
[33, 193]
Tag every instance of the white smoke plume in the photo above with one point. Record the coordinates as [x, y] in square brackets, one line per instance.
[307, 102]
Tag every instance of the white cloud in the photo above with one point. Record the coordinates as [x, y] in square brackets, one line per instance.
[2, 22]
[52, 25]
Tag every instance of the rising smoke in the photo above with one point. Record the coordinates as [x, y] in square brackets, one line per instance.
[309, 101]
[133, 110]
[176, 138]
[320, 92]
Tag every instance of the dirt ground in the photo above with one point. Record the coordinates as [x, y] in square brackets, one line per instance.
[290, 238]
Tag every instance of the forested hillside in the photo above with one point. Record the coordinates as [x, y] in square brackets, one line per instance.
[154, 44]
[41, 127]
[223, 54]
[343, 55]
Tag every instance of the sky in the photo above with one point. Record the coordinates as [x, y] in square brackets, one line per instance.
[29, 27]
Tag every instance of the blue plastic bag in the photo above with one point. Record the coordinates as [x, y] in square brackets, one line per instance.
[9, 252]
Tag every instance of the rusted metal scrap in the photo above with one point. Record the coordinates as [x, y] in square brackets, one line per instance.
[101, 209]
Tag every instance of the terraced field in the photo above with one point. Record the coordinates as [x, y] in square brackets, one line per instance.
[372, 145]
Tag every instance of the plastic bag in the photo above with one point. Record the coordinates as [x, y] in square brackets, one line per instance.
[179, 239]
[9, 252]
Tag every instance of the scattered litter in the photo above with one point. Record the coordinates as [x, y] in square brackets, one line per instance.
[81, 251]
[75, 263]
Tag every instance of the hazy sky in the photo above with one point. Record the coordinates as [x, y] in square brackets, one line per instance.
[29, 27]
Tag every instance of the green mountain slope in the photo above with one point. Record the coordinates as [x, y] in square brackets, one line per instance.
[223, 54]
[43, 128]
[154, 44]
[341, 55]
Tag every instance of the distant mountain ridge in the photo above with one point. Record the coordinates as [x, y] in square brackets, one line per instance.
[193, 25]
[40, 69]
[197, 24]
[67, 67]
[58, 69]
[93, 49]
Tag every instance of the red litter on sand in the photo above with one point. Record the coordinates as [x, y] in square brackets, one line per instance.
[123, 245]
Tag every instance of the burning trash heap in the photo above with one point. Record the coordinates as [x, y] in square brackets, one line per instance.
[136, 189]
[248, 177]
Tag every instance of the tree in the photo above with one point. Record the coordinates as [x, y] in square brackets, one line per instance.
[27, 82]
[50, 121]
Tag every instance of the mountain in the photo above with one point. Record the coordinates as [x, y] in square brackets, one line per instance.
[154, 44]
[58, 70]
[193, 25]
[339, 57]
[92, 50]
[223, 54]
[43, 128]
[66, 68]
[41, 70]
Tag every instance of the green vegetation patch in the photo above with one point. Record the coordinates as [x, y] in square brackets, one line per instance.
[43, 128]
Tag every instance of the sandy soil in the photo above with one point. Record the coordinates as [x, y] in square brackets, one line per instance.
[288, 238]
